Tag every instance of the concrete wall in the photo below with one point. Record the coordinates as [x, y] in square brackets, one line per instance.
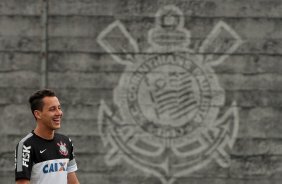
[84, 75]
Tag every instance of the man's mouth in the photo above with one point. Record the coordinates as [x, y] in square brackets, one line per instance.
[57, 120]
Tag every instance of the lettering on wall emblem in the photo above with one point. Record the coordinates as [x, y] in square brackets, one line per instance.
[26, 155]
[171, 117]
[63, 149]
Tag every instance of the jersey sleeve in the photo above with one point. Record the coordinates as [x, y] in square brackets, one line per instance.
[72, 166]
[23, 161]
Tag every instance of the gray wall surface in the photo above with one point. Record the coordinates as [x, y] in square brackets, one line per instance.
[91, 52]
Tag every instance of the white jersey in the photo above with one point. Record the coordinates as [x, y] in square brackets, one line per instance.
[44, 161]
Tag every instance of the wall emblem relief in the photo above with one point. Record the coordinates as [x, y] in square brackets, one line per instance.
[172, 118]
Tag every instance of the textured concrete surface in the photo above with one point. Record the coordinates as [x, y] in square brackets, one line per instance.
[83, 73]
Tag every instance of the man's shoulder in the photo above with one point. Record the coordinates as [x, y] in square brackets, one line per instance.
[27, 139]
[62, 137]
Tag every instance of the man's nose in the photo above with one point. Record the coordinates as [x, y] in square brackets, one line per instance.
[59, 112]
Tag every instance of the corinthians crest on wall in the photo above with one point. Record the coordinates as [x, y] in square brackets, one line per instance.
[170, 120]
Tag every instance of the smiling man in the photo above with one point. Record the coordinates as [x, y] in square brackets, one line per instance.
[44, 156]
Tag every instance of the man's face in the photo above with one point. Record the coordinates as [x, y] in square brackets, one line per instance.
[51, 113]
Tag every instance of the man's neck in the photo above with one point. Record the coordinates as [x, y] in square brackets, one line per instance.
[44, 133]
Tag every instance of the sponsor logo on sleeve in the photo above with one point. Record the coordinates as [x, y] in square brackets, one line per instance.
[26, 155]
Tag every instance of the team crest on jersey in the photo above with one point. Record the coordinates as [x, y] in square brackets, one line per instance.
[170, 117]
[63, 149]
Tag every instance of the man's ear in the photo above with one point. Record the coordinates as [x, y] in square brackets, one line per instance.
[37, 114]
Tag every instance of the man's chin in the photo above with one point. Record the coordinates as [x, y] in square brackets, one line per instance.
[56, 126]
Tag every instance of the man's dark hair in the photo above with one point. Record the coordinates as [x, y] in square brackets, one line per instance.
[35, 100]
